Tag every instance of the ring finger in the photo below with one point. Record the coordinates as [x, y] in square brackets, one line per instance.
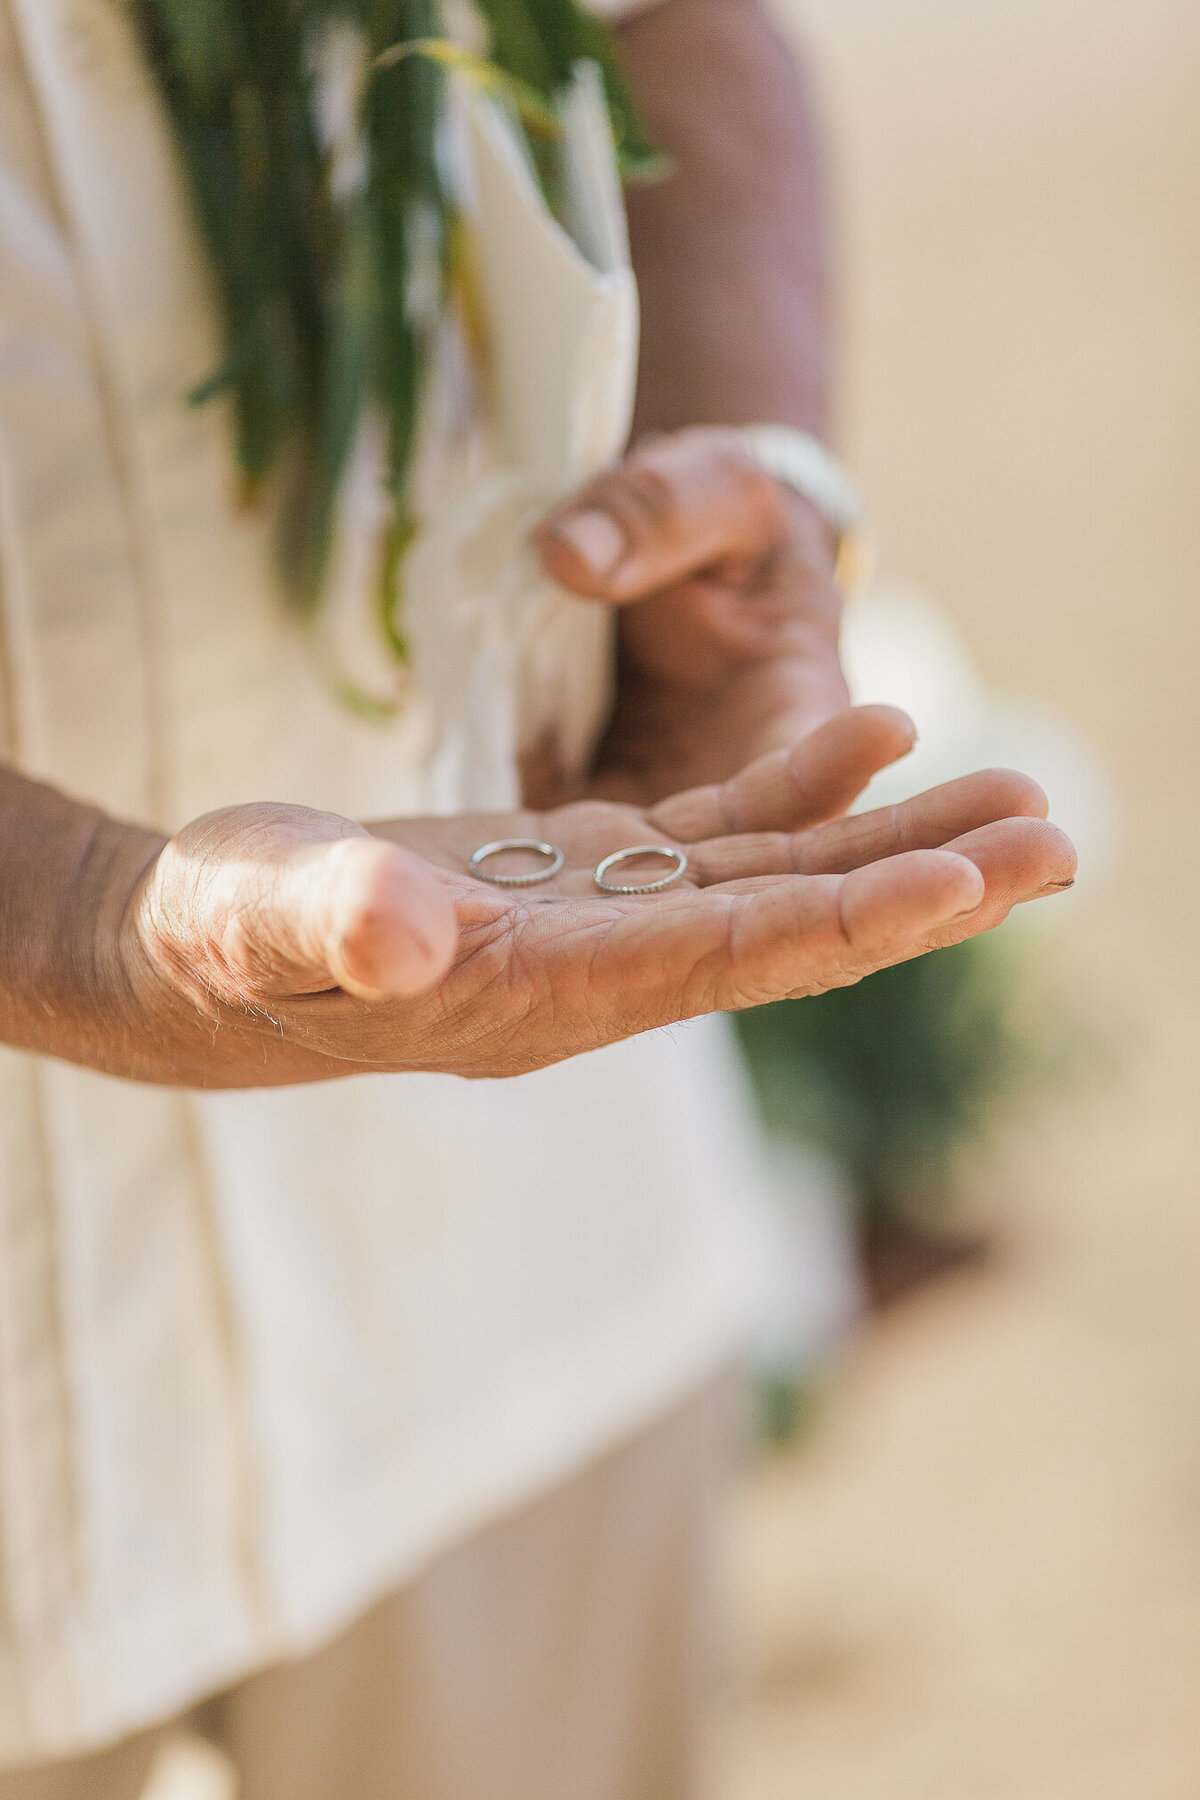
[927, 822]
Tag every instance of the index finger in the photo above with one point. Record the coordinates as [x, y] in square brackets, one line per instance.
[786, 790]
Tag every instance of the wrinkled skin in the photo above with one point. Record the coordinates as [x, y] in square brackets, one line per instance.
[283, 945]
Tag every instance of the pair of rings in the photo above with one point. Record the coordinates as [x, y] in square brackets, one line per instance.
[554, 860]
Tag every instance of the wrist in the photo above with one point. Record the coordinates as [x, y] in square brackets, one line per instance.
[139, 1012]
[815, 542]
[802, 463]
[72, 988]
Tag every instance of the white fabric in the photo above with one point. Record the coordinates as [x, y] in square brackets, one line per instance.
[263, 1354]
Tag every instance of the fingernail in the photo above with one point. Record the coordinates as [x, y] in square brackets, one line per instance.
[596, 539]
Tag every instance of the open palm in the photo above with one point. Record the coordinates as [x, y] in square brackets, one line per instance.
[330, 951]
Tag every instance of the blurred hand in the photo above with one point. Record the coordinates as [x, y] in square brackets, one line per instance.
[293, 944]
[728, 634]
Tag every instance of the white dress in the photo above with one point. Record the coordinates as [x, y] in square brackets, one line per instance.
[263, 1354]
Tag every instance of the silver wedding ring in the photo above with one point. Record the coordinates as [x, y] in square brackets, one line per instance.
[640, 887]
[485, 852]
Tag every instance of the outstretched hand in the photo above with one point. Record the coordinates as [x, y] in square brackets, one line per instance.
[301, 945]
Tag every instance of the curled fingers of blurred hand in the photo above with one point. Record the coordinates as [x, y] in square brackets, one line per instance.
[692, 500]
[729, 612]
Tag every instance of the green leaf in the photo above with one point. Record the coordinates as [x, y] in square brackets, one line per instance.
[330, 304]
[532, 110]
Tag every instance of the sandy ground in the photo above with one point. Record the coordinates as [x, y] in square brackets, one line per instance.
[982, 1578]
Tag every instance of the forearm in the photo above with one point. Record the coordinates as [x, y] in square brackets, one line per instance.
[73, 981]
[732, 250]
[66, 874]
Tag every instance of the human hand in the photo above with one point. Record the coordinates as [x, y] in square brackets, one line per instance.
[729, 613]
[301, 947]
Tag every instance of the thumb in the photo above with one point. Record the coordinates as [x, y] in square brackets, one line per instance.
[267, 902]
[676, 506]
[366, 916]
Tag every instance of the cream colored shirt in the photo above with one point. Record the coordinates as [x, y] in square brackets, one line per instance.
[263, 1354]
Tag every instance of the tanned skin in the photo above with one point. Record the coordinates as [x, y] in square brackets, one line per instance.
[269, 944]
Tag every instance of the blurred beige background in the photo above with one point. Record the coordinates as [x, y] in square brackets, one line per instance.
[981, 1579]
